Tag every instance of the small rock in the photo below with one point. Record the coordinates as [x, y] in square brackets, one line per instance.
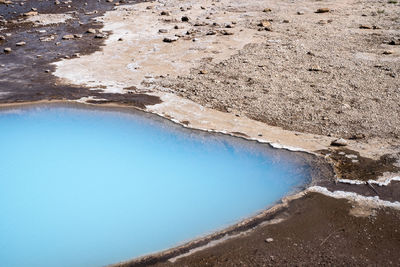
[339, 142]
[99, 36]
[78, 35]
[211, 33]
[91, 31]
[20, 44]
[7, 50]
[68, 37]
[47, 71]
[170, 39]
[315, 68]
[163, 31]
[120, 39]
[5, 2]
[30, 13]
[286, 21]
[264, 23]
[367, 27]
[224, 32]
[269, 240]
[322, 10]
[2, 38]
[300, 13]
[185, 18]
[203, 72]
[267, 10]
[165, 13]
[387, 52]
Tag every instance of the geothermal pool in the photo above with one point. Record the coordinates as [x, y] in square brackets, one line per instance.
[85, 187]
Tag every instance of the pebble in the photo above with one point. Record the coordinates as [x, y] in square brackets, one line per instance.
[366, 27]
[387, 52]
[165, 13]
[224, 32]
[339, 142]
[300, 13]
[68, 37]
[163, 31]
[170, 39]
[20, 44]
[269, 240]
[322, 10]
[267, 10]
[91, 31]
[30, 13]
[185, 18]
[2, 38]
[7, 50]
[315, 68]
[78, 35]
[264, 23]
[99, 36]
[203, 72]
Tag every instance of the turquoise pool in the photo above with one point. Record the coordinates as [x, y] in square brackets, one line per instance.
[86, 187]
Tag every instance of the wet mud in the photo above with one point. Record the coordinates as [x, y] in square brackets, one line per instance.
[25, 73]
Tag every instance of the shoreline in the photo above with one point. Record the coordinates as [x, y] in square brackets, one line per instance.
[246, 225]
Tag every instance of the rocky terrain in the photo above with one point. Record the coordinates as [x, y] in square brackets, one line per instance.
[333, 73]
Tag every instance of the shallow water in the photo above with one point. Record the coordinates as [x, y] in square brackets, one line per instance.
[81, 187]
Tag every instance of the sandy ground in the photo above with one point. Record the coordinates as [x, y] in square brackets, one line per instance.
[276, 72]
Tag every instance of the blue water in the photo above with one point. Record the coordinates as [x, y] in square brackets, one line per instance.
[82, 187]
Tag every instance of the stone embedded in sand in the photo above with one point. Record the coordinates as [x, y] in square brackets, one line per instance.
[7, 50]
[269, 240]
[339, 142]
[322, 10]
[20, 44]
[170, 39]
[163, 31]
[366, 27]
[99, 36]
[185, 18]
[300, 13]
[68, 37]
[225, 32]
[267, 10]
[78, 35]
[30, 13]
[203, 72]
[165, 13]
[387, 52]
[2, 38]
[264, 23]
[315, 68]
[5, 2]
[91, 31]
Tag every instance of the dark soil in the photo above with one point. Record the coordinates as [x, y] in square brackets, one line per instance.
[25, 73]
[318, 231]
